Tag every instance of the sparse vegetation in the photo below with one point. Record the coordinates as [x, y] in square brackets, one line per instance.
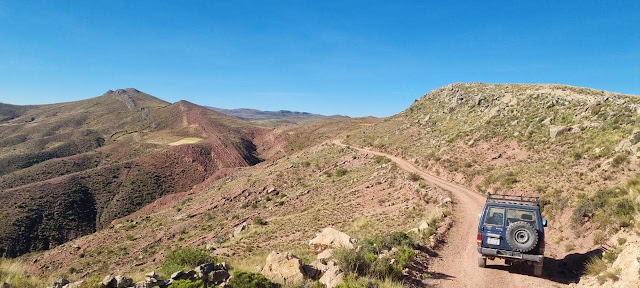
[415, 177]
[341, 172]
[380, 257]
[259, 221]
[595, 266]
[243, 279]
[187, 284]
[185, 259]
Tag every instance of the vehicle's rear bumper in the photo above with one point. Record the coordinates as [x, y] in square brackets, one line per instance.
[509, 254]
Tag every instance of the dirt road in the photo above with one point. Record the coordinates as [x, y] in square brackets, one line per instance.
[456, 265]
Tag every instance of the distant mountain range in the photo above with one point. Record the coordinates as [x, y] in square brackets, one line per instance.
[259, 115]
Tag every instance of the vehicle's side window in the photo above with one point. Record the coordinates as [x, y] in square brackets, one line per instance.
[494, 216]
[515, 215]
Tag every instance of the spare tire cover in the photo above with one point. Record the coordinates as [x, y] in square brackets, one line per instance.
[521, 236]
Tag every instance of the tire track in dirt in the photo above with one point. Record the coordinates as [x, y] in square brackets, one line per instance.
[456, 265]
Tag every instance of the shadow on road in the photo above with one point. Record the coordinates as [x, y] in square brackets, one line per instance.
[565, 271]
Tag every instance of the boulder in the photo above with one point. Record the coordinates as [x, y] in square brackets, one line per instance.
[331, 238]
[424, 225]
[177, 275]
[222, 266]
[143, 284]
[555, 131]
[325, 255]
[240, 228]
[320, 266]
[219, 276]
[151, 275]
[123, 281]
[203, 270]
[333, 276]
[109, 282]
[283, 268]
[60, 283]
[4, 285]
[635, 137]
[76, 284]
[311, 272]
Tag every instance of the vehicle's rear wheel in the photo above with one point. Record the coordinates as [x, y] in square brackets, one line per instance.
[482, 261]
[537, 269]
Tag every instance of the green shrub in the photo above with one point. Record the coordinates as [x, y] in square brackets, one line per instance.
[370, 261]
[130, 237]
[611, 254]
[185, 259]
[622, 240]
[569, 247]
[341, 172]
[243, 279]
[187, 284]
[599, 238]
[382, 160]
[619, 160]
[353, 281]
[415, 177]
[259, 221]
[351, 260]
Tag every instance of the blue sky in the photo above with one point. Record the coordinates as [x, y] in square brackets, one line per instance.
[333, 57]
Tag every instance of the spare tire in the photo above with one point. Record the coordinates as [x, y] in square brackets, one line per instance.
[521, 236]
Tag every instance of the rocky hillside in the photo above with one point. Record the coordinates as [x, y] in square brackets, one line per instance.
[69, 169]
[577, 148]
[273, 206]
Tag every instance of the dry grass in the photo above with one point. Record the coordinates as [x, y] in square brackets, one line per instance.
[13, 272]
[188, 140]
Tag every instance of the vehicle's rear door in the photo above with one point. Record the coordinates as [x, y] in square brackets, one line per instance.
[494, 231]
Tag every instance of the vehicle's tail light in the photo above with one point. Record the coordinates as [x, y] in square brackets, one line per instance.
[479, 239]
[542, 247]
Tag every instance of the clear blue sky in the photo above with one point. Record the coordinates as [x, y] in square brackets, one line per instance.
[333, 57]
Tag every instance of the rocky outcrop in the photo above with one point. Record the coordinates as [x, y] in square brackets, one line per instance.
[210, 273]
[284, 269]
[331, 238]
[555, 131]
[332, 276]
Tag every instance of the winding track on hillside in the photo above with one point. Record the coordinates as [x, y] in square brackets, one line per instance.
[456, 265]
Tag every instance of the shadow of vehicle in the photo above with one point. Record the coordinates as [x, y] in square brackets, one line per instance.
[565, 271]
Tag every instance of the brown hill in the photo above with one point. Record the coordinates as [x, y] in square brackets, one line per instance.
[68, 169]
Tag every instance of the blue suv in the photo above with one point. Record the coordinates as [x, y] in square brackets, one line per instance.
[511, 227]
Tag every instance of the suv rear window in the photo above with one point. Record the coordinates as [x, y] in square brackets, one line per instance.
[494, 216]
[515, 215]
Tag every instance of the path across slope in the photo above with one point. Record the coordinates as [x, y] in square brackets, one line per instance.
[456, 265]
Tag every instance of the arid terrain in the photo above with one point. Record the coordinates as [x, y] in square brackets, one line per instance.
[120, 183]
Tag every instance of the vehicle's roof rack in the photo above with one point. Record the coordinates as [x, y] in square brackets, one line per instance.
[513, 199]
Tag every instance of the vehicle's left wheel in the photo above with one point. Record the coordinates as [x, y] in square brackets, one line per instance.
[482, 261]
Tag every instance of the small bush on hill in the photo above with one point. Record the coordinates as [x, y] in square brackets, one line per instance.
[595, 266]
[341, 172]
[609, 208]
[374, 258]
[243, 279]
[187, 284]
[185, 259]
[382, 160]
[611, 254]
[259, 221]
[415, 177]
